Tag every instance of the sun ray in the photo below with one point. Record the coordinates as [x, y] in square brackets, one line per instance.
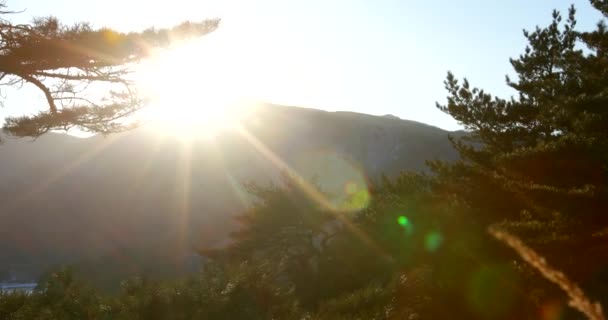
[309, 189]
[192, 89]
[143, 170]
[233, 182]
[46, 183]
[182, 193]
[196, 90]
[237, 189]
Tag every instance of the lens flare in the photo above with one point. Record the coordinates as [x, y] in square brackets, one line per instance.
[356, 197]
[193, 89]
[342, 182]
[552, 310]
[433, 241]
[407, 225]
[403, 221]
[309, 189]
[492, 291]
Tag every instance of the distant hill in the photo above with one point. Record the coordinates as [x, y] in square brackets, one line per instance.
[135, 203]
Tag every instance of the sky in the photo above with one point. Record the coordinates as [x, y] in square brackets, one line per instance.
[377, 57]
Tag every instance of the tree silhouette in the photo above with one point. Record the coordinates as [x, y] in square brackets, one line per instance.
[84, 73]
[286, 228]
[536, 164]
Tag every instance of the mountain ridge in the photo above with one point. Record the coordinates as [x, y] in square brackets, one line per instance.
[65, 199]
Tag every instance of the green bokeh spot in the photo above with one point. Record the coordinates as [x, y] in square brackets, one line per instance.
[493, 291]
[356, 199]
[351, 188]
[406, 224]
[433, 241]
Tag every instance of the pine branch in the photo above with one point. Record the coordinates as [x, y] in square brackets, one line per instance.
[578, 299]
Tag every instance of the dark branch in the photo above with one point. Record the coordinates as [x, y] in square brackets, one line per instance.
[63, 61]
[47, 93]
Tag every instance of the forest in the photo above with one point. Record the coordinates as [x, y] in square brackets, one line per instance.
[516, 228]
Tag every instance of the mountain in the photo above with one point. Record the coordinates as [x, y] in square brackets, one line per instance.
[138, 203]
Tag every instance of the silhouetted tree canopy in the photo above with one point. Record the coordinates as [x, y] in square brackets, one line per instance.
[83, 72]
[536, 164]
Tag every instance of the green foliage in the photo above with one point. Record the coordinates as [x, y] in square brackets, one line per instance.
[535, 164]
[241, 292]
[523, 147]
[371, 302]
[546, 150]
[59, 296]
[11, 304]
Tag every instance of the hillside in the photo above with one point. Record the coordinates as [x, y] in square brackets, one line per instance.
[66, 199]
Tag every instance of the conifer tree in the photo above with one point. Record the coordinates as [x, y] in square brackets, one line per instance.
[537, 162]
[83, 72]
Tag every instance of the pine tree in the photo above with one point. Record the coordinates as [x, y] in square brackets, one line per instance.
[63, 61]
[284, 233]
[537, 162]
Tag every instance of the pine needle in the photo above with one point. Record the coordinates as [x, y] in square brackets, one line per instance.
[578, 299]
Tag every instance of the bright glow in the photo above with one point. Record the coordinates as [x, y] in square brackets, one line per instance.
[433, 241]
[193, 89]
[402, 220]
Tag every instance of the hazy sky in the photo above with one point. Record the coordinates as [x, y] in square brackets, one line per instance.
[377, 57]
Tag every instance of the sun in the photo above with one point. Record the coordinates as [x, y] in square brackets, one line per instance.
[193, 89]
